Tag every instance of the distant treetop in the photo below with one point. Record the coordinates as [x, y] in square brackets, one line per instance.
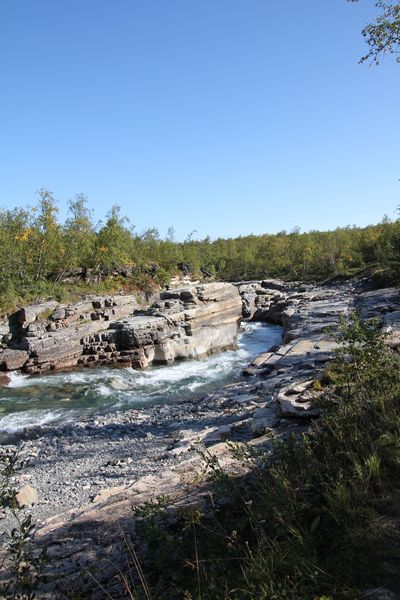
[383, 34]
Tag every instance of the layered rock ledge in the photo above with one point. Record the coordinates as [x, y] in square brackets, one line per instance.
[184, 323]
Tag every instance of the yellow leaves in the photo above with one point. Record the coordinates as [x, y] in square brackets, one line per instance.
[103, 249]
[22, 237]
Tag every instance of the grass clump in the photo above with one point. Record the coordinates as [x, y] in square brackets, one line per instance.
[319, 521]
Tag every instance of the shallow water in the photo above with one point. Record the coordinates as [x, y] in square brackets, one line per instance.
[63, 397]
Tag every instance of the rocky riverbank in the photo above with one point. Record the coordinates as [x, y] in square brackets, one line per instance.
[100, 467]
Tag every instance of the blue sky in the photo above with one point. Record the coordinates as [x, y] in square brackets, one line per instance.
[228, 117]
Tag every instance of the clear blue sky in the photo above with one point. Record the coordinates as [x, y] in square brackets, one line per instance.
[225, 116]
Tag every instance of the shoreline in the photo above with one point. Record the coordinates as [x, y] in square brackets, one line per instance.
[69, 464]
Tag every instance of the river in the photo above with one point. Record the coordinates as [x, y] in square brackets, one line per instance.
[69, 396]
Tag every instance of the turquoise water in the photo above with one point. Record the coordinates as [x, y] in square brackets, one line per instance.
[63, 397]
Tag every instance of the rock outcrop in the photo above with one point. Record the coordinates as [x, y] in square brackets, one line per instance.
[49, 336]
[186, 323]
[192, 322]
[307, 317]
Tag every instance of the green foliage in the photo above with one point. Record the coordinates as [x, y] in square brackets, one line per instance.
[41, 258]
[113, 246]
[21, 564]
[79, 236]
[383, 35]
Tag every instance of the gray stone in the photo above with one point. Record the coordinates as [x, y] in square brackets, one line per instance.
[203, 321]
[58, 315]
[263, 419]
[29, 314]
[11, 360]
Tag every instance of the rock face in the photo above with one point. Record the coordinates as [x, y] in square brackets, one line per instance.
[185, 323]
[48, 336]
[307, 314]
[268, 300]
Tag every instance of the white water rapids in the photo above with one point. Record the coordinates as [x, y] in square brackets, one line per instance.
[62, 397]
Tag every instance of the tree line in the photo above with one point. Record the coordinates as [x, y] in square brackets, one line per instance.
[39, 256]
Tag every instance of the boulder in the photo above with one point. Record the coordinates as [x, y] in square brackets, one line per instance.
[58, 315]
[297, 401]
[27, 496]
[10, 360]
[29, 314]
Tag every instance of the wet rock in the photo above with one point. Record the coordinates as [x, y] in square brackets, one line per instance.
[4, 379]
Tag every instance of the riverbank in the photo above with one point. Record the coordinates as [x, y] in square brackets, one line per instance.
[68, 464]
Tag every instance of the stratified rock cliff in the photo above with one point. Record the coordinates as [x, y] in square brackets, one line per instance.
[185, 323]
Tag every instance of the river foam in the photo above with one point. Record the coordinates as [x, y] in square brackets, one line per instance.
[61, 397]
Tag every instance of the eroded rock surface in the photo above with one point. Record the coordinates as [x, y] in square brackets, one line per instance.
[186, 323]
[49, 336]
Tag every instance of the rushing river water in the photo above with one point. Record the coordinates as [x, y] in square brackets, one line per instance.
[62, 397]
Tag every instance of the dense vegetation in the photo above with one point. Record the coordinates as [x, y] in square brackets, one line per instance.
[319, 522]
[41, 257]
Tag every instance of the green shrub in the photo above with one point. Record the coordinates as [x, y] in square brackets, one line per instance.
[21, 563]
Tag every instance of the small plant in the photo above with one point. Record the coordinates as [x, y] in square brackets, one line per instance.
[22, 564]
[45, 314]
[152, 508]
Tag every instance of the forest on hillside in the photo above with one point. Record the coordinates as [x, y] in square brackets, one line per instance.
[42, 257]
